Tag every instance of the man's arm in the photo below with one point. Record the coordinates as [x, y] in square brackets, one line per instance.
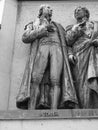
[30, 34]
[70, 36]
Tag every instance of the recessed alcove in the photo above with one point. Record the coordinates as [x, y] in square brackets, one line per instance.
[14, 53]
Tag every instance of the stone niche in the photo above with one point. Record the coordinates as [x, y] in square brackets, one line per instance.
[14, 54]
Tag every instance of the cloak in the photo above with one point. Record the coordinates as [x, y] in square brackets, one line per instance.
[86, 68]
[68, 93]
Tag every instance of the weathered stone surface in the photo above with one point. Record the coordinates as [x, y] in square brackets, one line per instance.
[48, 114]
[6, 50]
[27, 11]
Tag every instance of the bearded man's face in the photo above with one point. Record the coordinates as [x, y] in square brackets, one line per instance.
[80, 15]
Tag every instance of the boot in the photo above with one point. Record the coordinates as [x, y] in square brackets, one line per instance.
[44, 97]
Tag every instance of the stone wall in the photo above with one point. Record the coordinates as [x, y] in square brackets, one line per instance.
[63, 12]
[13, 56]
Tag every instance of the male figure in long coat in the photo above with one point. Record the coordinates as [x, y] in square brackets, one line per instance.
[47, 72]
[83, 39]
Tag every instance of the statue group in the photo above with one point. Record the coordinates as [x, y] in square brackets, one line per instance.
[62, 68]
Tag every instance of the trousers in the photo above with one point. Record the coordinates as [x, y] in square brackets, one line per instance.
[52, 54]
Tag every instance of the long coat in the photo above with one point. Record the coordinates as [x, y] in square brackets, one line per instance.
[68, 93]
[86, 69]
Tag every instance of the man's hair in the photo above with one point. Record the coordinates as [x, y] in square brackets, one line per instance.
[84, 9]
[41, 9]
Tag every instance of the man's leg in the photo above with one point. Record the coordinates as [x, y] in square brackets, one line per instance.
[44, 102]
[37, 74]
[55, 73]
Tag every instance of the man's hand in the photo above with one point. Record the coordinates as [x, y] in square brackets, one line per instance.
[50, 28]
[75, 27]
[42, 33]
[95, 42]
[78, 26]
[72, 59]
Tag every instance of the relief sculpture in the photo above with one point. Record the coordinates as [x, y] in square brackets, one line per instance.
[47, 82]
[62, 68]
[82, 38]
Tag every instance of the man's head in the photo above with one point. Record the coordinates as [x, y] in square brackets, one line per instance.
[45, 10]
[81, 14]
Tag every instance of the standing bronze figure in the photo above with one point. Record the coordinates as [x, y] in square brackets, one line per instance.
[82, 38]
[47, 82]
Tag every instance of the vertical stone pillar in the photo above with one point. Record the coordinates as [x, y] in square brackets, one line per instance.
[6, 50]
[2, 3]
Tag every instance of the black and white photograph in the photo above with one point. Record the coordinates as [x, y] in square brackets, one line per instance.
[48, 60]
